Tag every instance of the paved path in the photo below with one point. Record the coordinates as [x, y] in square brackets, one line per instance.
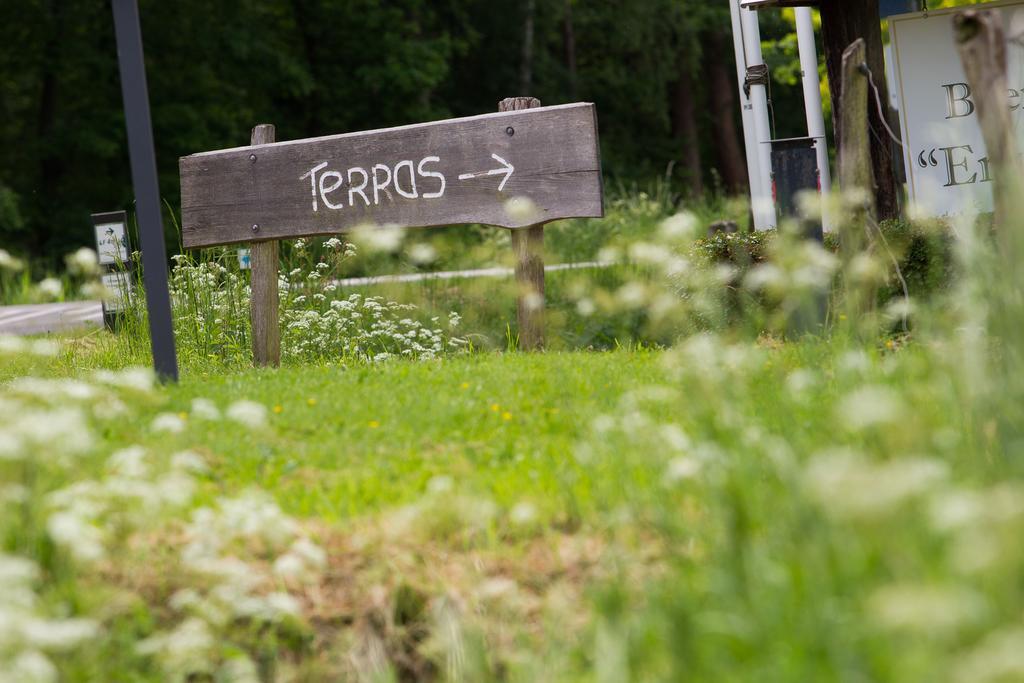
[43, 318]
[46, 318]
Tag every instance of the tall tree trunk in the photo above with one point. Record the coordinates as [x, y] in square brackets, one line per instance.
[684, 130]
[842, 22]
[569, 43]
[732, 162]
[526, 64]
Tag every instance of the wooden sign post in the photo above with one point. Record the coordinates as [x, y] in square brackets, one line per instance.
[425, 175]
[528, 245]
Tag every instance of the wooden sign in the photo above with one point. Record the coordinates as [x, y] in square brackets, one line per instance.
[432, 174]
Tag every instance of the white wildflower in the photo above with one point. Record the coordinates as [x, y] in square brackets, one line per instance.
[303, 562]
[248, 413]
[682, 227]
[681, 468]
[59, 634]
[189, 461]
[645, 252]
[767, 277]
[185, 651]
[109, 409]
[282, 605]
[800, 382]
[870, 406]
[586, 307]
[82, 262]
[609, 255]
[845, 484]
[523, 513]
[12, 344]
[129, 462]
[239, 669]
[168, 422]
[16, 571]
[12, 447]
[10, 263]
[999, 657]
[64, 430]
[675, 438]
[631, 295]
[521, 210]
[50, 288]
[79, 537]
[205, 409]
[937, 610]
[96, 291]
[43, 347]
[422, 254]
[138, 379]
[379, 239]
[29, 666]
[440, 484]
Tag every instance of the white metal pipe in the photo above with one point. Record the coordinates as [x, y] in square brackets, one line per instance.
[812, 103]
[762, 129]
[747, 113]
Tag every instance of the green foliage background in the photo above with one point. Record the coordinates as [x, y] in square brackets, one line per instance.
[316, 67]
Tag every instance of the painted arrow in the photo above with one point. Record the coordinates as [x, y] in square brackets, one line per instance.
[507, 169]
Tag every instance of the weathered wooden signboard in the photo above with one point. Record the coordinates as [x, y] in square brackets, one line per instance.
[432, 174]
[443, 173]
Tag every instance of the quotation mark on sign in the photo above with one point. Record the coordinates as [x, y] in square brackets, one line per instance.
[924, 162]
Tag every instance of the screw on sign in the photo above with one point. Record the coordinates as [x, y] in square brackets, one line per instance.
[436, 174]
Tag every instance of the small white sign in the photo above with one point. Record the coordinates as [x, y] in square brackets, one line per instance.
[944, 152]
[111, 243]
[118, 284]
[245, 259]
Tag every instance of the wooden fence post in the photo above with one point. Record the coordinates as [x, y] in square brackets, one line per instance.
[266, 330]
[855, 173]
[982, 47]
[856, 179]
[528, 244]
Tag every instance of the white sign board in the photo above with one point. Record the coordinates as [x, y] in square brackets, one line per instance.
[111, 243]
[118, 286]
[944, 153]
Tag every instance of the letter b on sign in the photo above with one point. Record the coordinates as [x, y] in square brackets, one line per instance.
[958, 99]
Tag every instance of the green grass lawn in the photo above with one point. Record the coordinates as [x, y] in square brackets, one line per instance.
[349, 441]
[717, 511]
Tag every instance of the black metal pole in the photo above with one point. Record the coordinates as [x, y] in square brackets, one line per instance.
[147, 192]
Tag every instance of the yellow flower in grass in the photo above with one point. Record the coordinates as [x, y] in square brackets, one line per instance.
[311, 401]
[278, 409]
[464, 385]
[374, 424]
[495, 407]
[506, 415]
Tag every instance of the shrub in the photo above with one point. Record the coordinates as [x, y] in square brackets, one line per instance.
[923, 253]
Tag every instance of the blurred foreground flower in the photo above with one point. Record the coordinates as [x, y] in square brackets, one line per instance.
[521, 210]
[83, 262]
[248, 413]
[9, 263]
